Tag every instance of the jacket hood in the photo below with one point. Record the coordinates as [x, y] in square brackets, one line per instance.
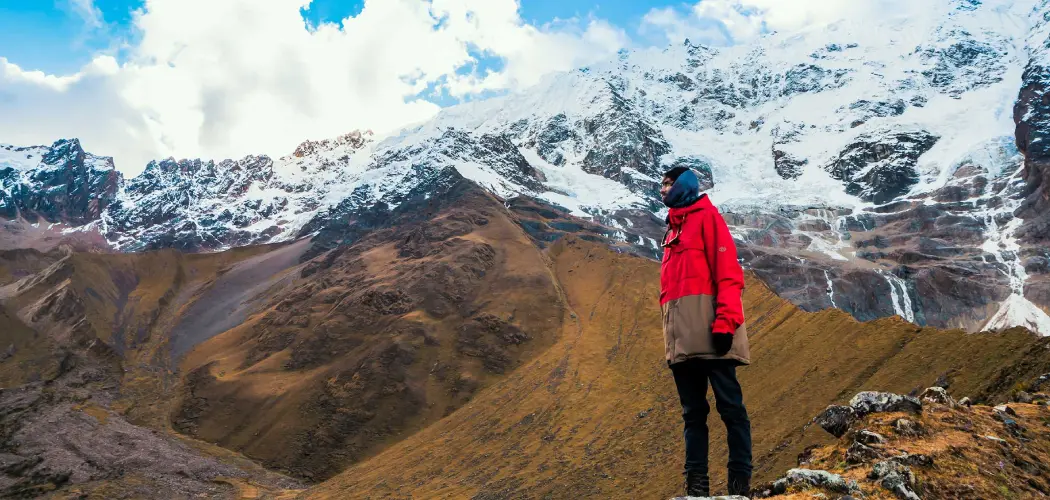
[685, 190]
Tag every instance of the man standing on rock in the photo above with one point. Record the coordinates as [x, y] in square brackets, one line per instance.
[701, 283]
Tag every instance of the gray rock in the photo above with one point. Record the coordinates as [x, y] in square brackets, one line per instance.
[836, 420]
[1043, 380]
[965, 402]
[1005, 409]
[817, 478]
[907, 427]
[868, 437]
[939, 396]
[895, 477]
[914, 459]
[1023, 398]
[1006, 415]
[732, 497]
[858, 453]
[866, 403]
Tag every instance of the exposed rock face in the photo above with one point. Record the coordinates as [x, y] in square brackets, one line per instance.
[626, 148]
[964, 63]
[841, 183]
[879, 167]
[1032, 116]
[196, 205]
[161, 206]
[57, 184]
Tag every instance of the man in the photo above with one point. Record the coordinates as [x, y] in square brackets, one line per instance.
[701, 284]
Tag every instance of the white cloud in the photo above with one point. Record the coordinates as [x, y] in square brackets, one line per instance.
[87, 10]
[225, 78]
[677, 27]
[720, 22]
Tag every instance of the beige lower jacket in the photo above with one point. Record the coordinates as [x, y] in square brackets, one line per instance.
[687, 331]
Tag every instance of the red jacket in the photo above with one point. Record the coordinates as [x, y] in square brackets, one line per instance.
[701, 284]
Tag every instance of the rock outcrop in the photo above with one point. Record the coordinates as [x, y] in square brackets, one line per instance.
[948, 459]
[57, 184]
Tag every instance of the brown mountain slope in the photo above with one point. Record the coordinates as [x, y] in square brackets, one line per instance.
[377, 339]
[596, 415]
[87, 381]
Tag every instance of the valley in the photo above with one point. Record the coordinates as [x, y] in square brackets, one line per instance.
[468, 307]
[511, 371]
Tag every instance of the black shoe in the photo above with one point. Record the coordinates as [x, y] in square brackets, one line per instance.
[697, 484]
[739, 485]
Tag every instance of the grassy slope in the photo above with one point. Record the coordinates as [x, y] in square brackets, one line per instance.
[378, 342]
[597, 415]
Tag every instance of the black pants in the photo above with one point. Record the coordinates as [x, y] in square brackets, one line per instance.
[691, 378]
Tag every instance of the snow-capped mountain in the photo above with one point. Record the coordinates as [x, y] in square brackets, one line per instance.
[883, 166]
[204, 205]
[56, 183]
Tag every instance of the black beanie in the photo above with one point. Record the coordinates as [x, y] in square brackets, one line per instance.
[675, 172]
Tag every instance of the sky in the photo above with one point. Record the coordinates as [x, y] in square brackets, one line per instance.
[148, 79]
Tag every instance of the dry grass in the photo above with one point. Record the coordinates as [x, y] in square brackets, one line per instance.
[596, 415]
[586, 408]
[966, 460]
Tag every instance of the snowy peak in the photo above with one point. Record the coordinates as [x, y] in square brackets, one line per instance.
[868, 165]
[59, 184]
[199, 205]
[352, 141]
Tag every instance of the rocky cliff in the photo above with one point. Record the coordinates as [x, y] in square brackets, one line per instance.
[57, 184]
[880, 169]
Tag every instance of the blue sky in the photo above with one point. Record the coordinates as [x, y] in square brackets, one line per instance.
[142, 79]
[51, 36]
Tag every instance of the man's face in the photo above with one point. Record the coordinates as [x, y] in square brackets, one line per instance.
[665, 186]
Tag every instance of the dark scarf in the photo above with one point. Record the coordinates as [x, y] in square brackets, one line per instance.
[684, 192]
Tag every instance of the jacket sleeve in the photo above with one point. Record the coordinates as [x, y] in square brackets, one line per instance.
[726, 274]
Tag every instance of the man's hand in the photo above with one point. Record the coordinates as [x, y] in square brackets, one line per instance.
[723, 342]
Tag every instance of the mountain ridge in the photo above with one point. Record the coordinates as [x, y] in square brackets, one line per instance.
[901, 171]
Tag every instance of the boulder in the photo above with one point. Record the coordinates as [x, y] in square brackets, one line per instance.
[1006, 415]
[859, 453]
[1006, 410]
[1023, 398]
[868, 437]
[896, 478]
[731, 497]
[906, 427]
[938, 395]
[836, 419]
[866, 403]
[816, 478]
[914, 459]
[965, 402]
